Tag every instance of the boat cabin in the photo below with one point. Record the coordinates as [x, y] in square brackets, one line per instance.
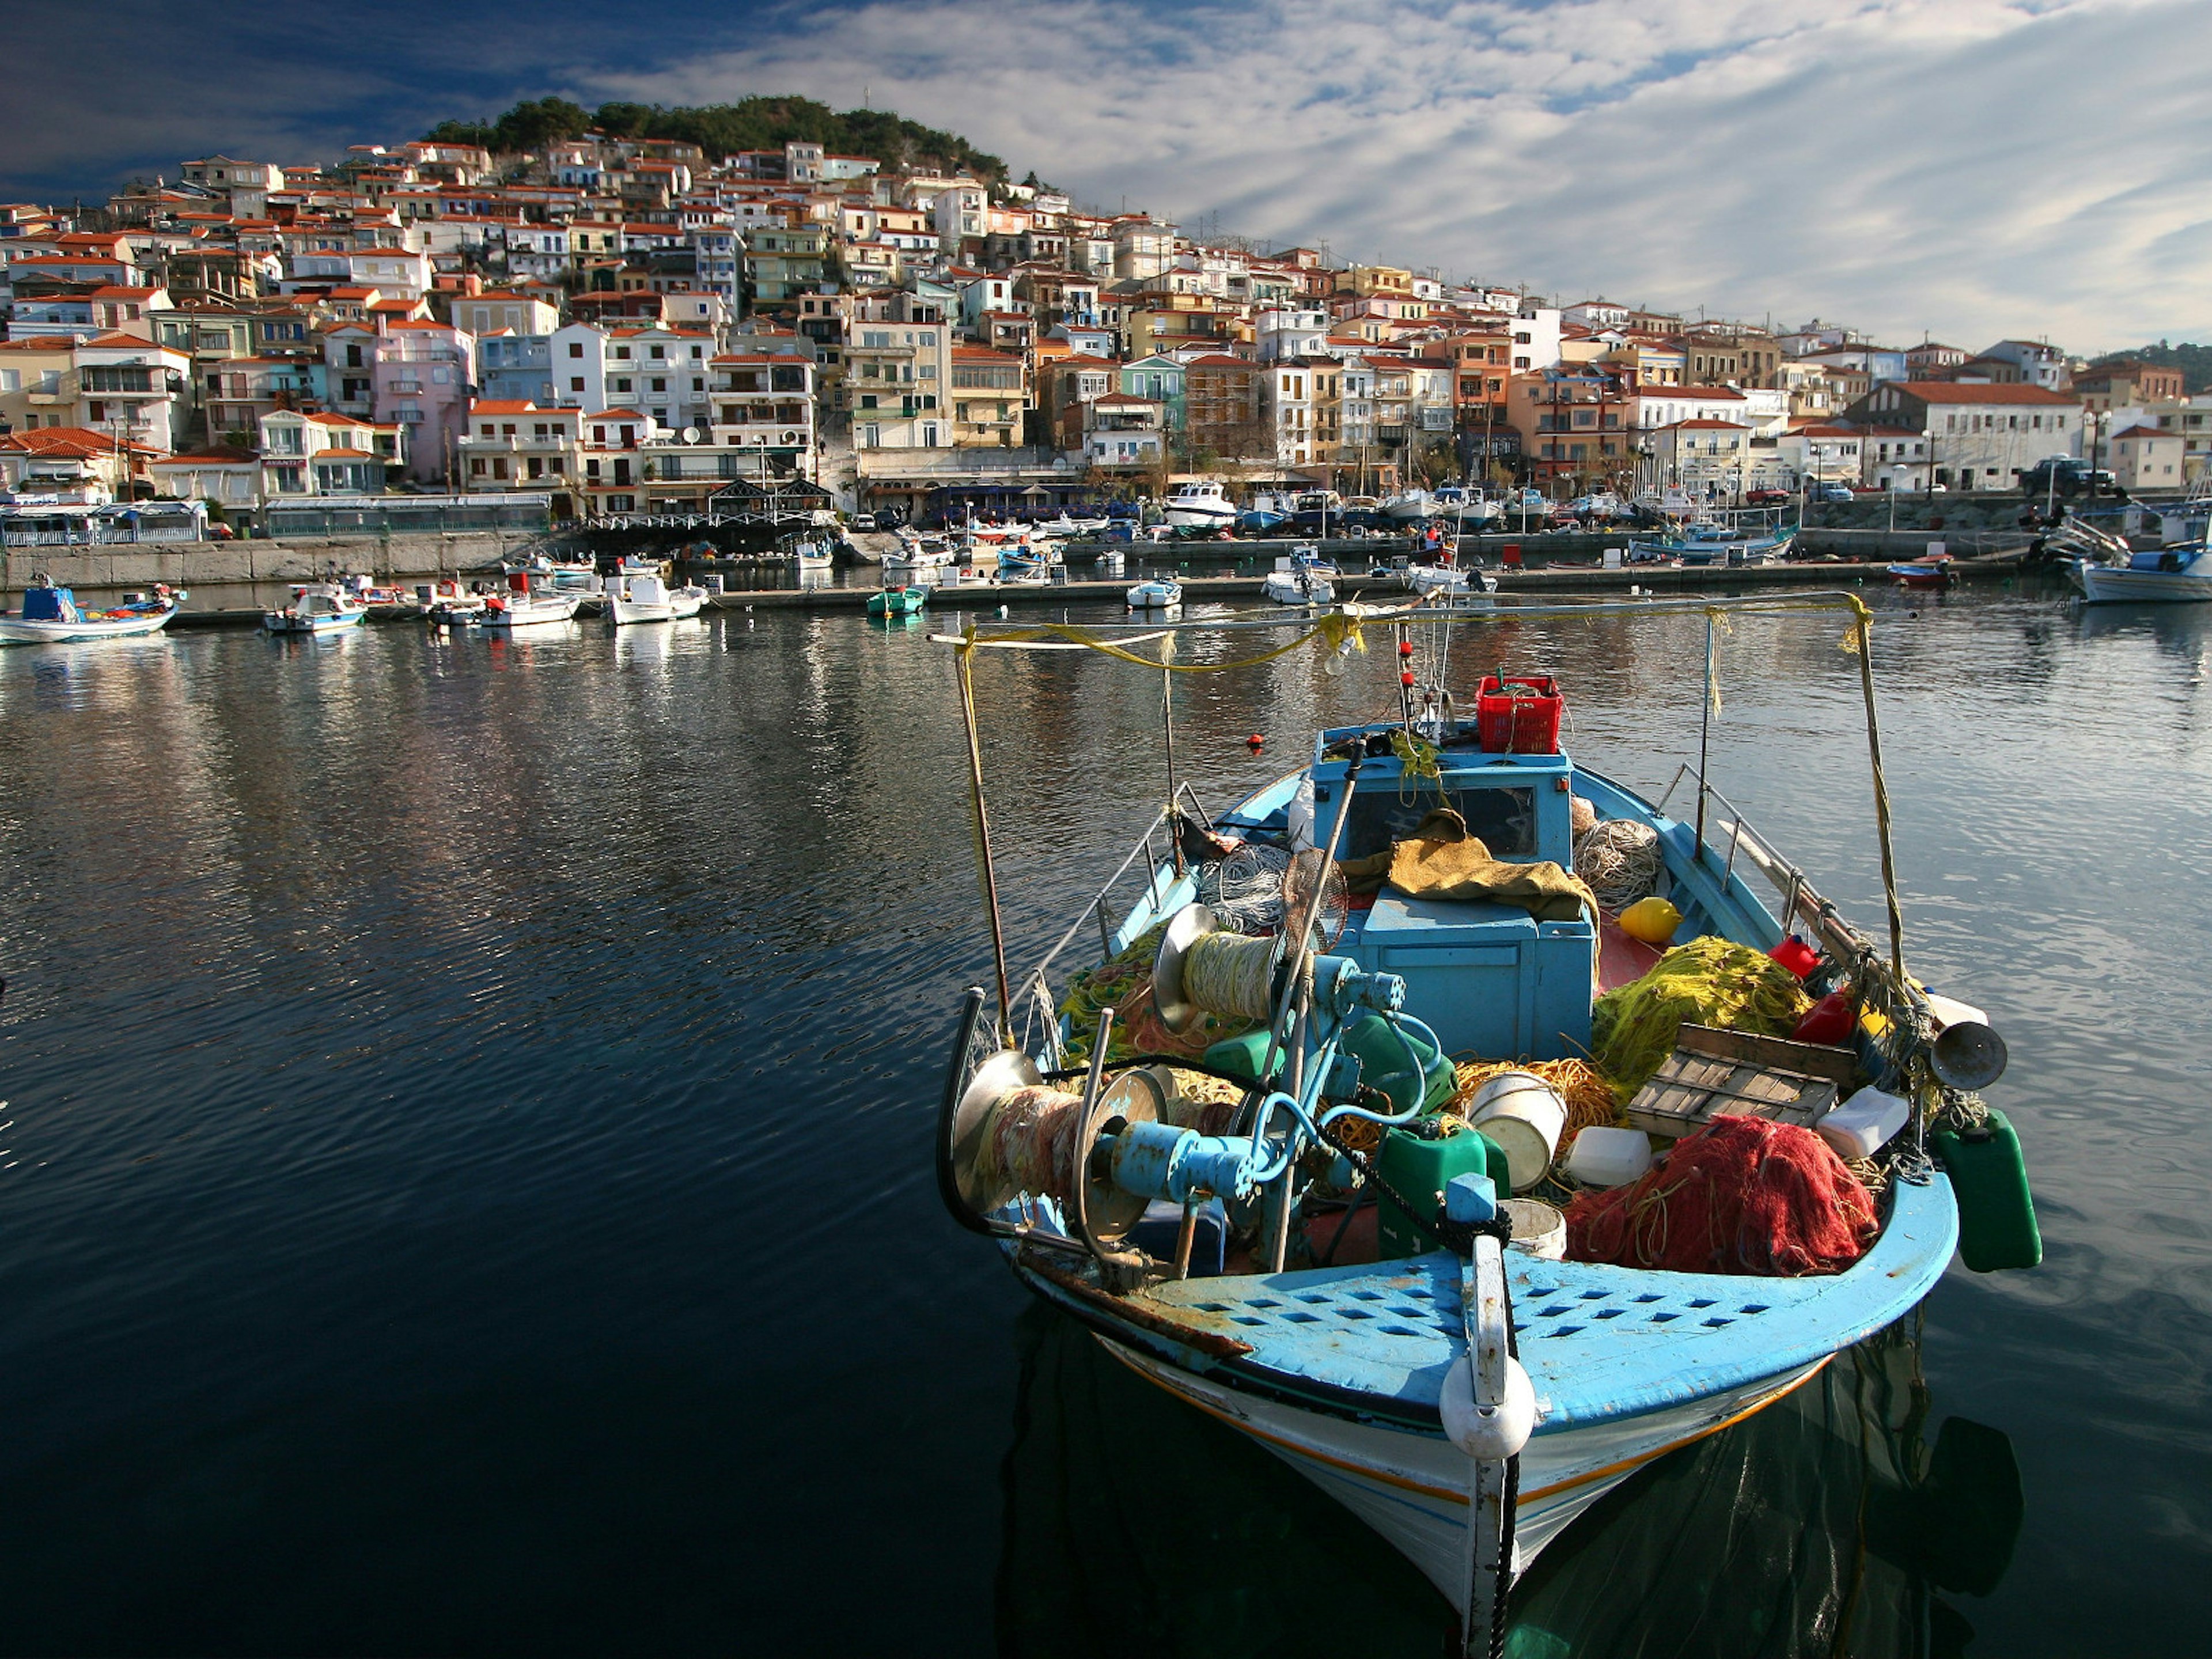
[1488, 977]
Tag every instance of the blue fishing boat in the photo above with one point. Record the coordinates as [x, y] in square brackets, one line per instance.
[1173, 1144]
[1714, 545]
[2110, 570]
[316, 608]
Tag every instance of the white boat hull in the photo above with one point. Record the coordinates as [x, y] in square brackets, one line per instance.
[643, 611]
[1219, 513]
[531, 613]
[1412, 1488]
[1290, 590]
[2109, 585]
[277, 622]
[1155, 596]
[14, 630]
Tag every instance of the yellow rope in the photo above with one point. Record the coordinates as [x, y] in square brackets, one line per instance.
[1228, 974]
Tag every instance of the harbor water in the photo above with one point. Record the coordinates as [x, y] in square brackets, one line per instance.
[465, 1183]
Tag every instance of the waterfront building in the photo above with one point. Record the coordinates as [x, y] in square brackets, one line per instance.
[2146, 457]
[1979, 435]
[421, 380]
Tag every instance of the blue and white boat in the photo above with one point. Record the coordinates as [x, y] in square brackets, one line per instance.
[2162, 575]
[316, 608]
[1708, 543]
[52, 616]
[1467, 1402]
[1156, 594]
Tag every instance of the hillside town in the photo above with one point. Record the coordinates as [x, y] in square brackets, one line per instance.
[634, 326]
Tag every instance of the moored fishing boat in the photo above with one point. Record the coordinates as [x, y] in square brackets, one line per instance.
[528, 603]
[646, 598]
[50, 615]
[897, 601]
[1933, 572]
[316, 608]
[1173, 1145]
[2110, 571]
[1156, 594]
[1198, 502]
[1291, 583]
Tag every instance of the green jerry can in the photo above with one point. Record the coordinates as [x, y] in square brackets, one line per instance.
[1996, 1212]
[1417, 1161]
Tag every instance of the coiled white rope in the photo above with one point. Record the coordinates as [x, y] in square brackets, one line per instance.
[1618, 858]
[1245, 889]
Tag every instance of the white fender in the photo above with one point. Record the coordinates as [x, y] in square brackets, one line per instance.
[1491, 1433]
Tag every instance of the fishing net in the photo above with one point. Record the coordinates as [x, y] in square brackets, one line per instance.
[1124, 983]
[1708, 981]
[1743, 1195]
[1244, 889]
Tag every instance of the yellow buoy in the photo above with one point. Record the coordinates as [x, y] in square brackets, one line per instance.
[1651, 920]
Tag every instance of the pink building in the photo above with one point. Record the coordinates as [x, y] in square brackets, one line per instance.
[422, 382]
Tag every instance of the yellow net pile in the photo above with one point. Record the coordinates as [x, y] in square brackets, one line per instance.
[1590, 1098]
[1708, 981]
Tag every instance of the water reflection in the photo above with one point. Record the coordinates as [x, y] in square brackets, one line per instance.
[1825, 1524]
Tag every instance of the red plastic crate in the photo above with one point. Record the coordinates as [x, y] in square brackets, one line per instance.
[1519, 726]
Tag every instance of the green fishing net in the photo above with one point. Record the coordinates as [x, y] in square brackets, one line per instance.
[1708, 981]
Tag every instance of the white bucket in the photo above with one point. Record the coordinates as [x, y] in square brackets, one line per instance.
[1603, 1157]
[1525, 1116]
[1539, 1228]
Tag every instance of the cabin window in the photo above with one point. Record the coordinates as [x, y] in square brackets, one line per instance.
[1504, 820]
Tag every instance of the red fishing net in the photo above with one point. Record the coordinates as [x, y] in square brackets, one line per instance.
[1740, 1196]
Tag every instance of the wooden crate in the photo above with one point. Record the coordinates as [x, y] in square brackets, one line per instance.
[1713, 1072]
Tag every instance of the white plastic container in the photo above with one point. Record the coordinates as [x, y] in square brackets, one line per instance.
[1525, 1116]
[1862, 1125]
[1539, 1228]
[1604, 1156]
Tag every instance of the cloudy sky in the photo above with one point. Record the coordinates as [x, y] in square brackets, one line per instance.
[1965, 169]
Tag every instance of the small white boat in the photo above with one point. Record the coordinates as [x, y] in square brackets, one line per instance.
[812, 560]
[316, 608]
[1199, 501]
[447, 603]
[1293, 583]
[1449, 579]
[1412, 506]
[578, 576]
[1155, 594]
[52, 616]
[647, 598]
[919, 555]
[528, 604]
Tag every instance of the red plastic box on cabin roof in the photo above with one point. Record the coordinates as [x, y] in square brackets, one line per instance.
[1523, 722]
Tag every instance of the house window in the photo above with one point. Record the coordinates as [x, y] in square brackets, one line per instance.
[575, 348]
[575, 383]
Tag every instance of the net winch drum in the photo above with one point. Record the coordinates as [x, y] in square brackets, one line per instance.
[1103, 1212]
[1171, 997]
[971, 1122]
[1185, 927]
[1967, 1053]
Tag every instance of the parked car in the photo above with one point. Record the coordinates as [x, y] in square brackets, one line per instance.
[2066, 474]
[1833, 492]
[863, 521]
[1766, 497]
